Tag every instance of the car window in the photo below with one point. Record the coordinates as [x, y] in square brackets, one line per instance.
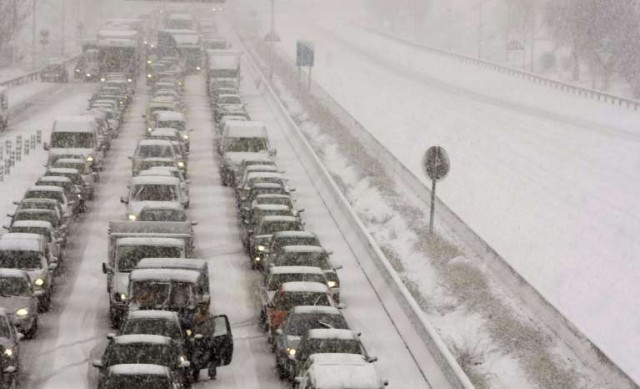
[155, 151]
[156, 354]
[20, 259]
[299, 325]
[152, 327]
[245, 145]
[14, 286]
[148, 192]
[293, 299]
[129, 256]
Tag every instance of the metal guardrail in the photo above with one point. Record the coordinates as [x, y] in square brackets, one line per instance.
[32, 76]
[536, 79]
[345, 217]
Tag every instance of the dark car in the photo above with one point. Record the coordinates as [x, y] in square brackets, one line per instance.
[54, 72]
[144, 349]
[260, 236]
[9, 350]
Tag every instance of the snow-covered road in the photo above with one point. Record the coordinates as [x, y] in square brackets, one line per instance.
[547, 179]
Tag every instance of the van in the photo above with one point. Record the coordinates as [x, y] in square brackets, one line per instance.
[74, 136]
[240, 140]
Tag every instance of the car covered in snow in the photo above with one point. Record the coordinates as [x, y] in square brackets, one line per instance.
[292, 294]
[9, 350]
[251, 179]
[29, 252]
[151, 148]
[327, 371]
[139, 376]
[256, 215]
[162, 211]
[199, 265]
[176, 120]
[245, 202]
[260, 236]
[19, 299]
[150, 190]
[241, 140]
[144, 349]
[89, 176]
[153, 322]
[76, 136]
[43, 228]
[86, 187]
[55, 193]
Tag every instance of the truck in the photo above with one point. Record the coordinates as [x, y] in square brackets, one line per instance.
[118, 52]
[223, 64]
[129, 242]
[185, 44]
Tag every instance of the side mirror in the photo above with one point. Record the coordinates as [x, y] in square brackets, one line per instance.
[5, 226]
[341, 306]
[273, 152]
[372, 359]
[191, 130]
[337, 267]
[111, 335]
[106, 269]
[46, 146]
[9, 370]
[300, 210]
[124, 200]
[97, 363]
[292, 189]
[244, 222]
[53, 266]
[385, 383]
[17, 202]
[10, 215]
[130, 157]
[20, 336]
[59, 240]
[194, 223]
[144, 116]
[206, 299]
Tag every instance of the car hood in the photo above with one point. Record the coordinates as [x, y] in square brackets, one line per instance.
[80, 151]
[120, 282]
[136, 206]
[13, 303]
[233, 158]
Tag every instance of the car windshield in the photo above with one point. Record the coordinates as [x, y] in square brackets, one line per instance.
[14, 286]
[20, 259]
[276, 280]
[153, 192]
[159, 215]
[230, 100]
[44, 215]
[80, 165]
[297, 241]
[319, 346]
[252, 145]
[75, 178]
[254, 180]
[303, 259]
[155, 151]
[271, 227]
[146, 163]
[84, 140]
[275, 200]
[166, 328]
[151, 353]
[177, 124]
[137, 382]
[160, 294]
[299, 325]
[293, 299]
[44, 194]
[33, 230]
[254, 192]
[38, 205]
[129, 256]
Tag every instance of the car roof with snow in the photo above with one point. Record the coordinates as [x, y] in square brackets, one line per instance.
[21, 241]
[78, 161]
[151, 314]
[315, 309]
[338, 359]
[169, 115]
[178, 275]
[272, 196]
[154, 172]
[54, 179]
[304, 286]
[172, 263]
[63, 170]
[32, 223]
[45, 188]
[261, 168]
[271, 207]
[155, 180]
[13, 273]
[34, 211]
[141, 338]
[139, 369]
[150, 241]
[278, 218]
[157, 159]
[154, 142]
[264, 174]
[266, 185]
[40, 200]
[352, 376]
[331, 333]
[245, 129]
[78, 123]
[303, 249]
[295, 270]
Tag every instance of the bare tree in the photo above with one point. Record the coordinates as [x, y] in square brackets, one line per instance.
[12, 17]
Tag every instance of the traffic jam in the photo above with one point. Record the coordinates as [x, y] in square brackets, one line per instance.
[165, 332]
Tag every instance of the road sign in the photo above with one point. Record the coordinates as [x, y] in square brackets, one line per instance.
[435, 163]
[304, 53]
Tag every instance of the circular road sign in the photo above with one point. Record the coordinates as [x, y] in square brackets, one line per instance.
[435, 163]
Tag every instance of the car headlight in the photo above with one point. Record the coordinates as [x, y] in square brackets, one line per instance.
[182, 358]
[77, 70]
[38, 282]
[197, 67]
[88, 74]
[90, 158]
[132, 217]
[129, 80]
[332, 284]
[121, 297]
[149, 76]
[291, 352]
[257, 259]
[185, 136]
[149, 129]
[22, 312]
[149, 62]
[103, 79]
[261, 247]
[188, 332]
[8, 352]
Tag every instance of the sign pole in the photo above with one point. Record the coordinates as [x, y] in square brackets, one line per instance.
[433, 206]
[309, 87]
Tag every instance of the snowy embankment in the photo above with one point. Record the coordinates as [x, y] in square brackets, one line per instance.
[538, 169]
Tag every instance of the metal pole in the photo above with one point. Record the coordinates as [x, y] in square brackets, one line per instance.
[33, 34]
[309, 87]
[273, 29]
[433, 206]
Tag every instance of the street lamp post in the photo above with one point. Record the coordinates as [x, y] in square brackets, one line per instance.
[272, 37]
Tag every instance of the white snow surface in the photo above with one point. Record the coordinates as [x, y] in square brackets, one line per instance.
[548, 179]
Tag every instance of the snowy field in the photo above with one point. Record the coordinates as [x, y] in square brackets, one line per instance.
[546, 178]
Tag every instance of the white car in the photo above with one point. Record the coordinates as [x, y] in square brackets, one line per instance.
[147, 190]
